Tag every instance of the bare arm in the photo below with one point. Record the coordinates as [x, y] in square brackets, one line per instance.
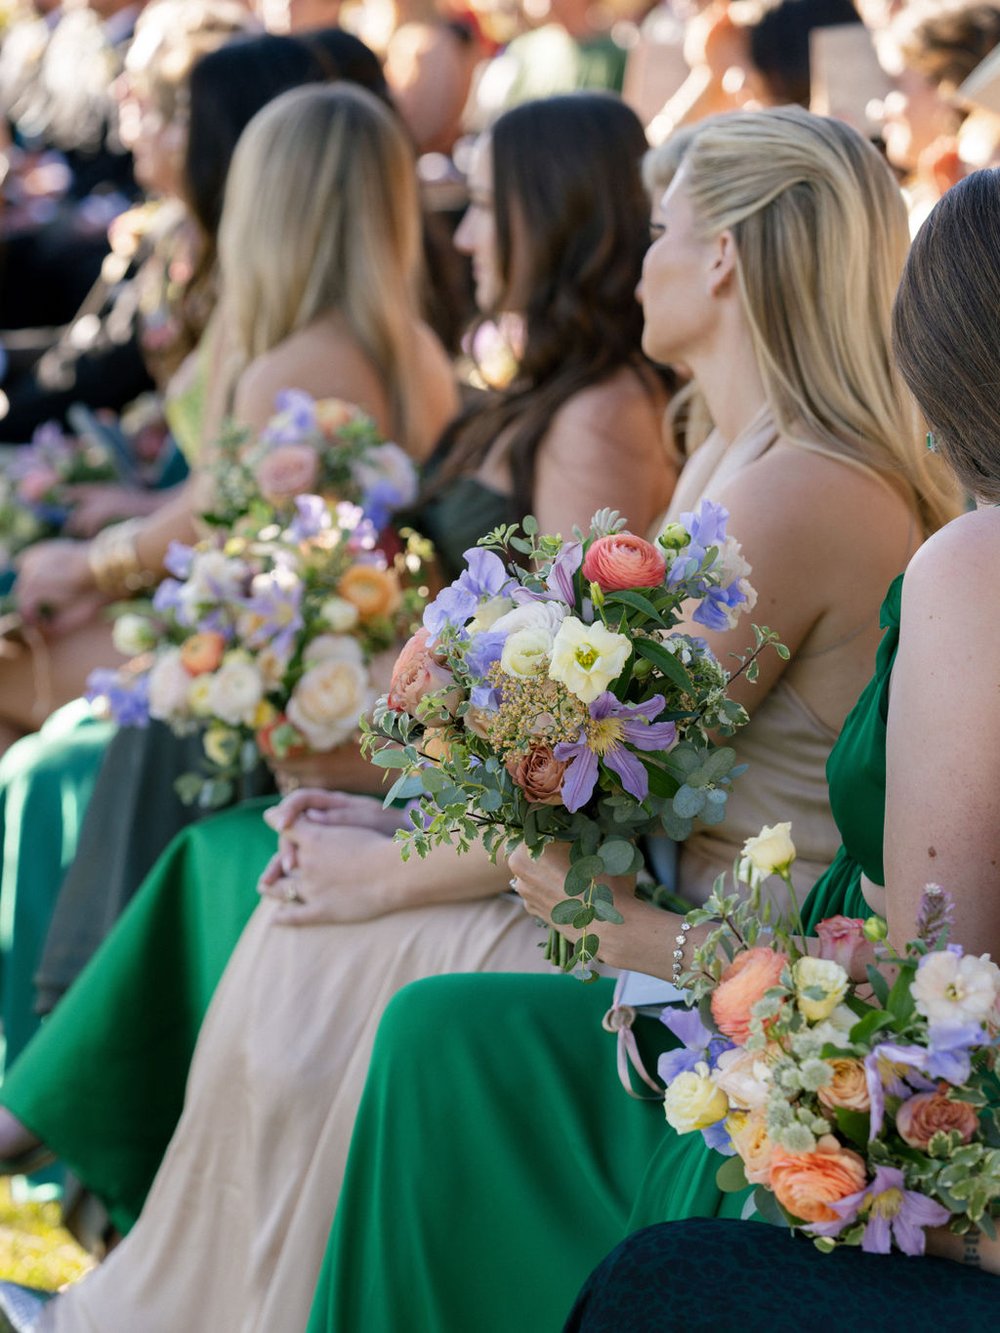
[942, 815]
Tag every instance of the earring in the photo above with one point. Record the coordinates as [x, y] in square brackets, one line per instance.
[931, 442]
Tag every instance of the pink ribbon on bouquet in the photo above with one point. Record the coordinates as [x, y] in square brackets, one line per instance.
[619, 1020]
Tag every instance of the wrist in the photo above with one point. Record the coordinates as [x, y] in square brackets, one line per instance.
[113, 564]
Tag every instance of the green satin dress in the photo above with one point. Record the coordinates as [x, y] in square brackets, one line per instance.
[102, 1082]
[496, 1158]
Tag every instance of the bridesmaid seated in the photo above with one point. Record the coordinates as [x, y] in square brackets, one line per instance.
[931, 748]
[233, 1230]
[784, 238]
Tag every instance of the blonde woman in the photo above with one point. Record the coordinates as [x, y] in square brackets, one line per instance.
[319, 250]
[783, 240]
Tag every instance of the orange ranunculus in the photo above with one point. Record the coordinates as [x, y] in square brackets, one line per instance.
[374, 591]
[624, 561]
[743, 983]
[805, 1183]
[539, 774]
[849, 1087]
[202, 652]
[920, 1117]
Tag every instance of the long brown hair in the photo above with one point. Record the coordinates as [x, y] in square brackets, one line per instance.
[570, 167]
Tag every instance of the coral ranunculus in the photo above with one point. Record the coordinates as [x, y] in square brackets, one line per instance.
[805, 1183]
[920, 1117]
[374, 591]
[624, 561]
[539, 774]
[743, 983]
[202, 652]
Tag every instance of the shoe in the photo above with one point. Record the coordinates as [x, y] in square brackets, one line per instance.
[20, 1307]
[27, 1163]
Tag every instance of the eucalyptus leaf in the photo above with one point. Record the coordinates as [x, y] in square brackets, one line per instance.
[731, 1176]
[563, 913]
[689, 802]
[617, 856]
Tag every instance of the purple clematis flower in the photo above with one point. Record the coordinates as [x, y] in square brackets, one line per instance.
[277, 599]
[894, 1214]
[613, 724]
[565, 565]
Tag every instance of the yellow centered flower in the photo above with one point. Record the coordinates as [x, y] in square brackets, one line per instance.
[587, 658]
[887, 1204]
[604, 735]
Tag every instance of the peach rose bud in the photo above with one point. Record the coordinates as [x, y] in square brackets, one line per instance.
[202, 652]
[805, 1183]
[539, 774]
[743, 983]
[624, 561]
[848, 1087]
[920, 1117]
[287, 471]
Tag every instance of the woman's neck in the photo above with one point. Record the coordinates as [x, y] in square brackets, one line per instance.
[731, 385]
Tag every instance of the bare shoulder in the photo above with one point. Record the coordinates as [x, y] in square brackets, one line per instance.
[953, 575]
[322, 360]
[621, 411]
[434, 367]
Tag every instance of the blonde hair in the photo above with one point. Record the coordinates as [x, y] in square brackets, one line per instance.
[321, 216]
[821, 238]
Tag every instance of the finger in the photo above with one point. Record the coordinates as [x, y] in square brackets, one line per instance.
[292, 807]
[285, 890]
[272, 872]
[301, 914]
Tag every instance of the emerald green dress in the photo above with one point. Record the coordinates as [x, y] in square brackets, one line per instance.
[496, 1158]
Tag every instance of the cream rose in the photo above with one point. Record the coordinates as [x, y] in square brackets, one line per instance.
[533, 615]
[235, 691]
[769, 853]
[132, 635]
[587, 658]
[169, 684]
[488, 614]
[328, 701]
[745, 1078]
[340, 614]
[823, 976]
[693, 1101]
[526, 653]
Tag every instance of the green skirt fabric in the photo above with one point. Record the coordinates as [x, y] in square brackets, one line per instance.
[102, 1083]
[496, 1157]
[46, 781]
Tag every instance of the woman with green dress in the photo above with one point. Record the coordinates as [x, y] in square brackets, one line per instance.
[779, 228]
[915, 774]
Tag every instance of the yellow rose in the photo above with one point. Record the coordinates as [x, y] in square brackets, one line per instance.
[771, 852]
[587, 658]
[693, 1101]
[526, 653]
[818, 974]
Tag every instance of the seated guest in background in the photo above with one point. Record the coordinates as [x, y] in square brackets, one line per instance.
[558, 227]
[783, 239]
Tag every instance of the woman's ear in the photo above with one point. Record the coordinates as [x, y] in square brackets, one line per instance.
[722, 264]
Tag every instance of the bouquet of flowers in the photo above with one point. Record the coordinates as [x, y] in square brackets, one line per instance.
[862, 1113]
[550, 696]
[328, 447]
[34, 498]
[263, 641]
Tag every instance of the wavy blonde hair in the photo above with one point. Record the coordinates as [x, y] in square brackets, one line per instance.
[821, 238]
[321, 217]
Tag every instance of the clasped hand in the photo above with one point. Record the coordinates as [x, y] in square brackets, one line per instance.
[335, 854]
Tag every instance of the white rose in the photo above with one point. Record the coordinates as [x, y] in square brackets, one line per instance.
[489, 613]
[169, 684]
[532, 615]
[132, 635]
[334, 648]
[951, 991]
[824, 976]
[526, 653]
[236, 692]
[745, 1078]
[328, 701]
[340, 614]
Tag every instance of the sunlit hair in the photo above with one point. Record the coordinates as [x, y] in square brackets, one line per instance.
[321, 217]
[821, 238]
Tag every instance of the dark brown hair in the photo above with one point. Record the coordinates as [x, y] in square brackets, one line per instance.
[570, 169]
[945, 329]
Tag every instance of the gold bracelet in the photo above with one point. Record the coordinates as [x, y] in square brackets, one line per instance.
[114, 561]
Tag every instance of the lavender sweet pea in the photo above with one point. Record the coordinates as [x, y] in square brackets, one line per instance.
[296, 418]
[454, 606]
[612, 725]
[127, 697]
[707, 528]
